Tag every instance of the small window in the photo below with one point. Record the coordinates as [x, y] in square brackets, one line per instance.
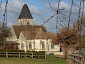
[22, 46]
[43, 46]
[52, 45]
[26, 45]
[30, 45]
[34, 45]
[21, 23]
[27, 22]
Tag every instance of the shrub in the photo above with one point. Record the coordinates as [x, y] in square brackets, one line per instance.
[11, 50]
[36, 54]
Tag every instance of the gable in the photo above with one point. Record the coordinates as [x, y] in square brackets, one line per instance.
[22, 37]
[13, 37]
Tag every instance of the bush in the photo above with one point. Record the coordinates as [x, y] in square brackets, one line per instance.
[36, 54]
[11, 50]
[39, 54]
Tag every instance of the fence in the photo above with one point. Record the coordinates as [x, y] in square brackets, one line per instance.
[76, 59]
[23, 55]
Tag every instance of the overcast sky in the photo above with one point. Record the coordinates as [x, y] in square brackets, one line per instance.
[41, 11]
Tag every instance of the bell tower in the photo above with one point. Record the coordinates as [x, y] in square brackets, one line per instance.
[25, 17]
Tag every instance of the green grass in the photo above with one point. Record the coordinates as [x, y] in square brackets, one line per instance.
[50, 60]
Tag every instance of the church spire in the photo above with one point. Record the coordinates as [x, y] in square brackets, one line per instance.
[25, 13]
[25, 17]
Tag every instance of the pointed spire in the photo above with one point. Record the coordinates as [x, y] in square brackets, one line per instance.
[25, 13]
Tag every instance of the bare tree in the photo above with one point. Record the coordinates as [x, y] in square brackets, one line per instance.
[68, 37]
[4, 33]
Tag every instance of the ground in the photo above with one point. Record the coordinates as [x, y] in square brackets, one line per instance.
[50, 60]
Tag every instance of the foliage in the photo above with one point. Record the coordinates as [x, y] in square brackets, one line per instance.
[68, 36]
[36, 54]
[11, 50]
[4, 32]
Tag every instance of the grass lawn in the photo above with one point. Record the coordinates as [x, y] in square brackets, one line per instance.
[50, 60]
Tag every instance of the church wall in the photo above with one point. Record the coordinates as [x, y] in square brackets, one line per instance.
[56, 46]
[37, 46]
[22, 40]
[47, 45]
[25, 21]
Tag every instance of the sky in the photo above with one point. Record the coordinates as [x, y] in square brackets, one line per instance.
[41, 11]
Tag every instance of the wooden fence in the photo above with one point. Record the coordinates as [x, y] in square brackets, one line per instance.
[23, 55]
[76, 59]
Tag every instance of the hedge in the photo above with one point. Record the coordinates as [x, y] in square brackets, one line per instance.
[11, 50]
[36, 54]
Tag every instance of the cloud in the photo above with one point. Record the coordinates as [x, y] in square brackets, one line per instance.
[14, 9]
[40, 15]
[66, 12]
[34, 9]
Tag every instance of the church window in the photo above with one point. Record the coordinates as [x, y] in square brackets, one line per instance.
[26, 45]
[34, 44]
[43, 46]
[27, 22]
[52, 45]
[30, 45]
[21, 23]
[24, 22]
[22, 46]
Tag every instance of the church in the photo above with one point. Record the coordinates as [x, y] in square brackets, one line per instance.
[32, 37]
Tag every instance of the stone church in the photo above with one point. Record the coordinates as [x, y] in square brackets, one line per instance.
[32, 37]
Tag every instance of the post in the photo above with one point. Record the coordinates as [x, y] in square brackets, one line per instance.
[19, 54]
[25, 54]
[32, 55]
[45, 55]
[6, 54]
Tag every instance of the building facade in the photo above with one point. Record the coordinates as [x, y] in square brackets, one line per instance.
[33, 37]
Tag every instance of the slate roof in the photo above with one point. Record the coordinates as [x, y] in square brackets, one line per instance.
[36, 34]
[29, 34]
[19, 28]
[25, 13]
[51, 35]
[39, 34]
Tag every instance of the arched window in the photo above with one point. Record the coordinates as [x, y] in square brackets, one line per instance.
[22, 46]
[34, 44]
[30, 45]
[28, 22]
[43, 46]
[52, 45]
[21, 23]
